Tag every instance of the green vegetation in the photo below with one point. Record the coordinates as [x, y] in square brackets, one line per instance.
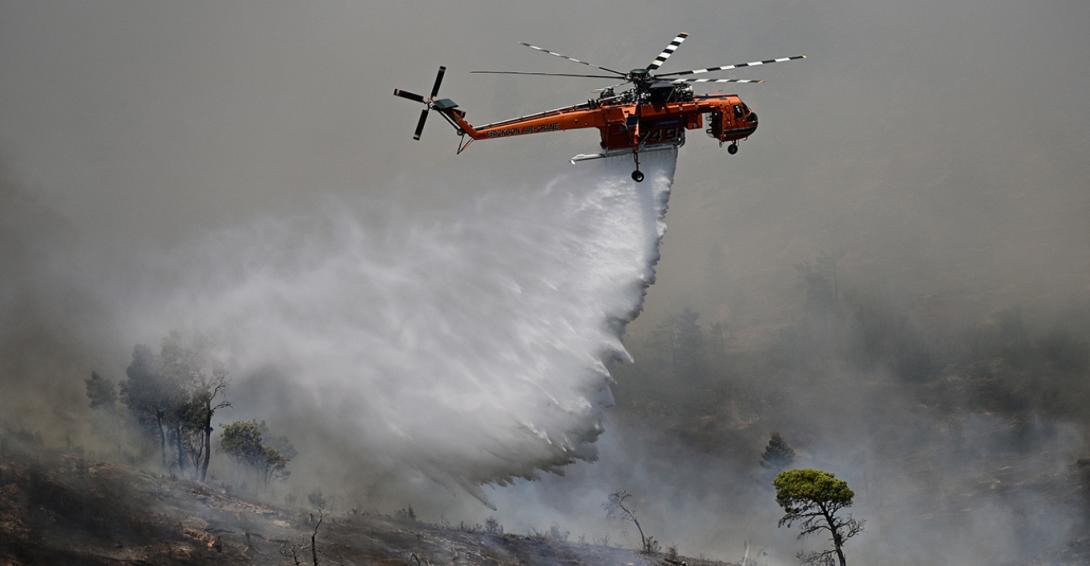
[778, 454]
[172, 397]
[252, 445]
[815, 500]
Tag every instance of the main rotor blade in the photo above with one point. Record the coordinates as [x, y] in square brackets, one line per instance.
[572, 59]
[735, 66]
[667, 52]
[543, 74]
[743, 81]
[438, 81]
[409, 95]
[610, 86]
[420, 124]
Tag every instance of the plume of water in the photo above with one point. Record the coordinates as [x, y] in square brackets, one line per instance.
[467, 345]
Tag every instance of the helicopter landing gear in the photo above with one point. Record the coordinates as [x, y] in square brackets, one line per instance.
[637, 176]
[732, 148]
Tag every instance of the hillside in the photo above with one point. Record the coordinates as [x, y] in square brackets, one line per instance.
[59, 508]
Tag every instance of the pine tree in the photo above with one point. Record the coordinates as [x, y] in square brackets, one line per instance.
[778, 455]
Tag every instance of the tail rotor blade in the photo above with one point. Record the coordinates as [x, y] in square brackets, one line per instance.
[438, 81]
[420, 124]
[410, 95]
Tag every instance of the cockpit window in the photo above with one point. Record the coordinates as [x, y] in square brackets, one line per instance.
[738, 111]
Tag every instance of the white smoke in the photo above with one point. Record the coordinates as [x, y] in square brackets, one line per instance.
[467, 345]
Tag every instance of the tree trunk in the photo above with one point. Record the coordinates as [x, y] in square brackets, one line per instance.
[839, 553]
[643, 539]
[162, 437]
[118, 430]
[181, 448]
[206, 448]
[837, 541]
[196, 455]
[314, 538]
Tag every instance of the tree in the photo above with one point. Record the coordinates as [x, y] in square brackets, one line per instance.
[314, 536]
[100, 391]
[149, 394]
[185, 367]
[279, 451]
[244, 441]
[177, 391]
[814, 499]
[102, 394]
[241, 440]
[618, 507]
[201, 408]
[273, 465]
[778, 453]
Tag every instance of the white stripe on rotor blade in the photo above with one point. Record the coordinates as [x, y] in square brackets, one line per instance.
[740, 65]
[743, 81]
[669, 50]
[554, 53]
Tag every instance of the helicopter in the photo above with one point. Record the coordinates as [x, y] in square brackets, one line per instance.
[651, 114]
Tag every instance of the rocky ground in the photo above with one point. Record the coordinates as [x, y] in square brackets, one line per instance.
[59, 508]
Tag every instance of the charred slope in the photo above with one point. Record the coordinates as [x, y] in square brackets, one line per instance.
[58, 508]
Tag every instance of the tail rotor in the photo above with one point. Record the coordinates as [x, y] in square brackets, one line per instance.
[428, 102]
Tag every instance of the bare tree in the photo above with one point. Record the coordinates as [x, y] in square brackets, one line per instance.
[291, 550]
[618, 507]
[314, 536]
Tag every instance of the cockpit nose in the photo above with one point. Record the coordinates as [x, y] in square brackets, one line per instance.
[750, 115]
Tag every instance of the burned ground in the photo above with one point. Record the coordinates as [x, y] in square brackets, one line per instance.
[61, 508]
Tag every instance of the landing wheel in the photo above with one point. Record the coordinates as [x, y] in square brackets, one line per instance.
[732, 148]
[637, 176]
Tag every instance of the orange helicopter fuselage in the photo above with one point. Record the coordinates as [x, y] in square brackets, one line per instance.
[625, 126]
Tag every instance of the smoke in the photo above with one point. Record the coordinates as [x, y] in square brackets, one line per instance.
[138, 126]
[463, 345]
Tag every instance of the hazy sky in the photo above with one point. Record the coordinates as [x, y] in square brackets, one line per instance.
[938, 141]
